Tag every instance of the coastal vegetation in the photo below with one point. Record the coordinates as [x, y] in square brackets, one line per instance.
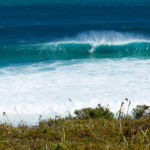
[89, 128]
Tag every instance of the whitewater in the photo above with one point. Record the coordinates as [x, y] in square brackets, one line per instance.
[45, 88]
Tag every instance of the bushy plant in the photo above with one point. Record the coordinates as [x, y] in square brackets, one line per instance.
[98, 112]
[141, 111]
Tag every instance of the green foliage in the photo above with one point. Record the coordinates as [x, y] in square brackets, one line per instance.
[141, 111]
[98, 112]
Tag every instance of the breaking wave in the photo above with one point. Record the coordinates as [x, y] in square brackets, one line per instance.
[84, 45]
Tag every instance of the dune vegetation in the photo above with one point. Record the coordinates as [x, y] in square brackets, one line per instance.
[88, 129]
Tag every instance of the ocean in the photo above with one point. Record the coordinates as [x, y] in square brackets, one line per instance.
[92, 52]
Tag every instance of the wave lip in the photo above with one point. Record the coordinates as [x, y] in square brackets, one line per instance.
[105, 38]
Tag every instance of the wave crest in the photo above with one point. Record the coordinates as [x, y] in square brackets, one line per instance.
[105, 38]
[85, 45]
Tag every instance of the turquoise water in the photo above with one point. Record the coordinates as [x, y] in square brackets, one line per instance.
[67, 51]
[90, 51]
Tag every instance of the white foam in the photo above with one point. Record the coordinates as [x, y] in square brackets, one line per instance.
[104, 38]
[44, 88]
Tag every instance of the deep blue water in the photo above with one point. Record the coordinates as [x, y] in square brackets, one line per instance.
[34, 24]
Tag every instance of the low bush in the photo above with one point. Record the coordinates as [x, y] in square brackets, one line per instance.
[98, 112]
[141, 111]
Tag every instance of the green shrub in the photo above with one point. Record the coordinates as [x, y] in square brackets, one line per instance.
[98, 112]
[141, 111]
